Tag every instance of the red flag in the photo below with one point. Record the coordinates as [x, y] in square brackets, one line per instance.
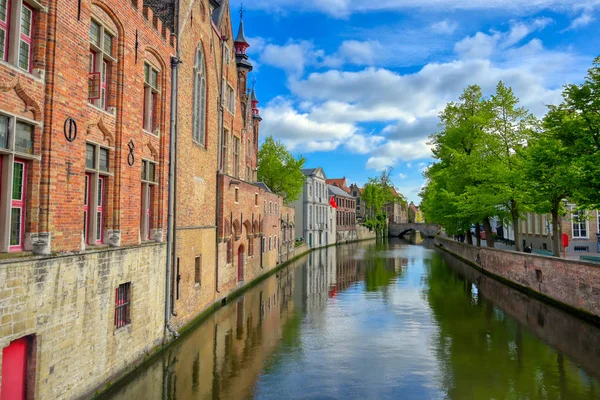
[332, 202]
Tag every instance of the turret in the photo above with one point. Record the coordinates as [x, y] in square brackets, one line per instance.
[254, 102]
[241, 45]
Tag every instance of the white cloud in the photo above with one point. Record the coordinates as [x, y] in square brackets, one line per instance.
[583, 20]
[344, 8]
[292, 57]
[444, 27]
[402, 176]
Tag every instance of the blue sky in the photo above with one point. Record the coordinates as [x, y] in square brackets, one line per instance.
[355, 86]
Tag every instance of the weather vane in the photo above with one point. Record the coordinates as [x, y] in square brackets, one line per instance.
[242, 10]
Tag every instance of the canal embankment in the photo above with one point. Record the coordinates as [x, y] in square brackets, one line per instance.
[570, 284]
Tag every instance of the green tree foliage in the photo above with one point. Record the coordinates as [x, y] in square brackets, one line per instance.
[549, 176]
[376, 194]
[477, 174]
[280, 171]
[576, 123]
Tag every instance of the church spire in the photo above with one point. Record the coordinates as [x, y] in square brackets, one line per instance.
[254, 102]
[241, 44]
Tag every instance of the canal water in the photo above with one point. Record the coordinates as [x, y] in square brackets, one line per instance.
[378, 321]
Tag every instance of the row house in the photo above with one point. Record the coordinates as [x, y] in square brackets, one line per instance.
[288, 240]
[84, 150]
[356, 192]
[581, 226]
[345, 214]
[315, 218]
[396, 209]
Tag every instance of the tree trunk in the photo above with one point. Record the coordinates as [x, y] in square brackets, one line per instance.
[469, 237]
[478, 234]
[556, 242]
[487, 227]
[515, 222]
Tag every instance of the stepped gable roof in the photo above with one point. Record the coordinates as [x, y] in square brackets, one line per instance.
[217, 15]
[339, 182]
[263, 186]
[336, 191]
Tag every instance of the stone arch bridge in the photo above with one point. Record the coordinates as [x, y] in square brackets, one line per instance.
[399, 230]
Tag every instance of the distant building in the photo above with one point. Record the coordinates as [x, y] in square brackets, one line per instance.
[356, 192]
[414, 214]
[340, 183]
[582, 227]
[313, 218]
[345, 221]
[397, 209]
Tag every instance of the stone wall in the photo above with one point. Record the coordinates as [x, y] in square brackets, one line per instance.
[363, 233]
[574, 284]
[563, 331]
[68, 304]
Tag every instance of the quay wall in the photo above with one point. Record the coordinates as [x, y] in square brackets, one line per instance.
[571, 284]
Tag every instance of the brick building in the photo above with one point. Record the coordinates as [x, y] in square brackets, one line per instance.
[397, 209]
[582, 227]
[356, 192]
[340, 183]
[84, 135]
[345, 222]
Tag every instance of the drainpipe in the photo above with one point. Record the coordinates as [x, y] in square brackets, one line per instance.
[175, 61]
[220, 161]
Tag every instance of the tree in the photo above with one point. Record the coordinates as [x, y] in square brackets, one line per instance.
[280, 171]
[549, 177]
[376, 194]
[576, 123]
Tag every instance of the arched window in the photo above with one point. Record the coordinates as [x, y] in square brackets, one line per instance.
[199, 117]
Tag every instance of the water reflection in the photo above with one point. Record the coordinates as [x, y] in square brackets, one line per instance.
[378, 321]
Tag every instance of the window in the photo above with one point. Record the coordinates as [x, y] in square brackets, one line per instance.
[270, 243]
[16, 143]
[230, 99]
[198, 270]
[310, 217]
[101, 60]
[536, 226]
[123, 305]
[275, 243]
[236, 157]
[309, 189]
[149, 183]
[227, 55]
[224, 142]
[249, 148]
[529, 223]
[199, 98]
[97, 160]
[264, 244]
[16, 33]
[229, 251]
[151, 93]
[237, 195]
[270, 207]
[250, 247]
[256, 199]
[580, 224]
[265, 211]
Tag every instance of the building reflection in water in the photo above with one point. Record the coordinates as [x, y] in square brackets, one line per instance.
[249, 346]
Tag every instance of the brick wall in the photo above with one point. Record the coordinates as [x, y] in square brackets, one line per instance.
[572, 283]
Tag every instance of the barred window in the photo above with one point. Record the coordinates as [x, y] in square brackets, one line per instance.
[123, 305]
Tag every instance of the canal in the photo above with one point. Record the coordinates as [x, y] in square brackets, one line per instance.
[375, 321]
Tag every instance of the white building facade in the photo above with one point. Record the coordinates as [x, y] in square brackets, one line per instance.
[314, 220]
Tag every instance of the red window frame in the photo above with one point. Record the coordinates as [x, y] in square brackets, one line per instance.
[104, 84]
[100, 209]
[5, 26]
[123, 305]
[28, 39]
[19, 204]
[86, 208]
[94, 76]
